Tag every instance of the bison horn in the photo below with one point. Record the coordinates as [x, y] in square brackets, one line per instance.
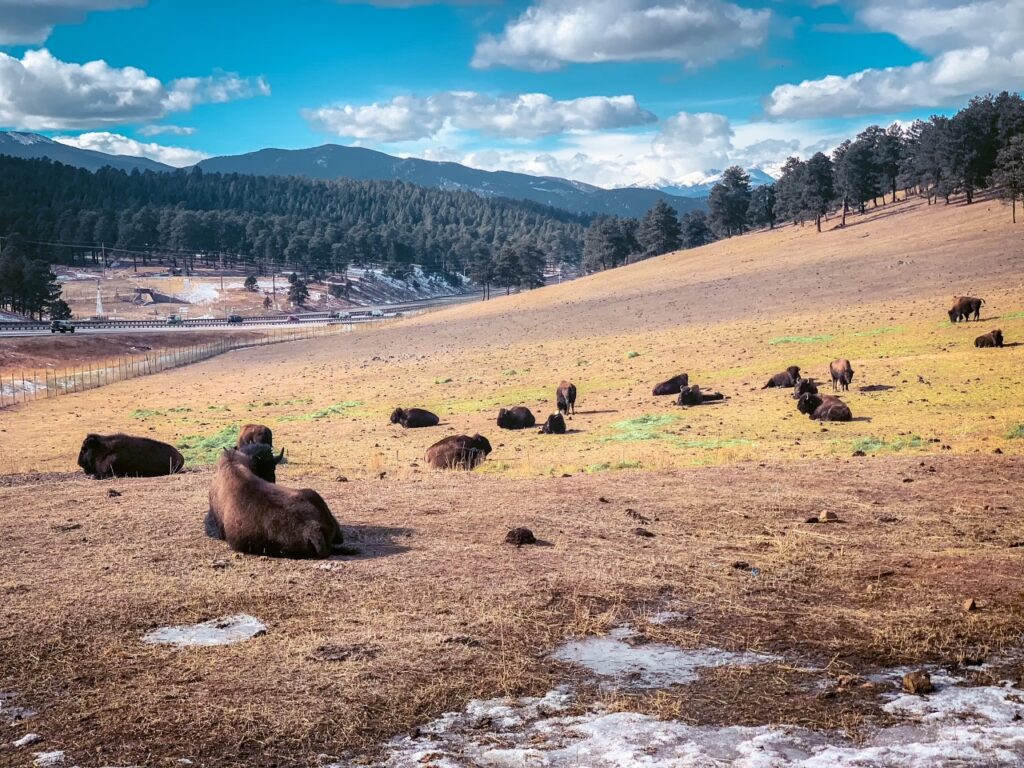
[280, 457]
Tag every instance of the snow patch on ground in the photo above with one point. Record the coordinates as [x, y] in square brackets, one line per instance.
[47, 759]
[223, 631]
[623, 656]
[198, 293]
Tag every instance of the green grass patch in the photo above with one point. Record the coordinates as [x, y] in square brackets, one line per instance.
[631, 354]
[200, 449]
[872, 444]
[878, 331]
[147, 413]
[442, 381]
[648, 427]
[800, 339]
[713, 445]
[611, 466]
[1017, 433]
[1013, 316]
[324, 413]
[510, 372]
[271, 403]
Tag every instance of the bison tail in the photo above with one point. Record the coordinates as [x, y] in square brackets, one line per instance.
[212, 526]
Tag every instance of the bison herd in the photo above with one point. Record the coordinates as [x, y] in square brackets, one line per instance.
[253, 514]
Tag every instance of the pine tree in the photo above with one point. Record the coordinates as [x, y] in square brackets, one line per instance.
[1008, 175]
[659, 230]
[819, 187]
[298, 291]
[251, 283]
[761, 212]
[729, 201]
[695, 229]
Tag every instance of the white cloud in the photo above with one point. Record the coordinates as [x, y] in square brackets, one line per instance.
[527, 115]
[553, 33]
[29, 22]
[160, 130]
[975, 47]
[116, 144]
[41, 92]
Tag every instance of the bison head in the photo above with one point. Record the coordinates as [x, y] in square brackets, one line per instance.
[794, 371]
[261, 460]
[89, 453]
[481, 444]
[808, 403]
[997, 337]
[953, 315]
[397, 415]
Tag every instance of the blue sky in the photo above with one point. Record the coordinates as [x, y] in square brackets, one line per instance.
[612, 92]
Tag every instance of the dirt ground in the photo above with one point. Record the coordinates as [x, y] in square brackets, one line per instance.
[438, 610]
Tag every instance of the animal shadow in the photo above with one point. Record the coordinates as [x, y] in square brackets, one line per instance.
[1012, 344]
[594, 413]
[876, 388]
[374, 541]
[861, 418]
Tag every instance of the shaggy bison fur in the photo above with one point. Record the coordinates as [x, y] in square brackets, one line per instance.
[842, 374]
[565, 396]
[964, 307]
[260, 518]
[804, 387]
[673, 385]
[458, 452]
[786, 379]
[519, 417]
[126, 456]
[824, 407]
[990, 339]
[693, 396]
[255, 433]
[555, 425]
[413, 418]
[262, 460]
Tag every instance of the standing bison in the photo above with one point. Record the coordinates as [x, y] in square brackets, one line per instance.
[824, 407]
[693, 396]
[842, 374]
[565, 396]
[253, 434]
[414, 418]
[126, 456]
[990, 339]
[260, 518]
[458, 452]
[555, 425]
[785, 380]
[964, 307]
[672, 386]
[519, 417]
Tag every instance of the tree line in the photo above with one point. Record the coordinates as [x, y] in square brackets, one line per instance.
[27, 285]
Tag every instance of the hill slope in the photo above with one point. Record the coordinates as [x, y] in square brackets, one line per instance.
[32, 146]
[331, 161]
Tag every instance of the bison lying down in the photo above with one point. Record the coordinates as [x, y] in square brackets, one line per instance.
[519, 417]
[842, 374]
[693, 396]
[254, 434]
[565, 396]
[803, 387]
[990, 339]
[824, 407]
[673, 385]
[413, 418]
[458, 452]
[555, 425]
[964, 307]
[262, 460]
[261, 518]
[126, 456]
[785, 379]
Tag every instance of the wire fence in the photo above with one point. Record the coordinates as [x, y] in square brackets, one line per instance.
[26, 386]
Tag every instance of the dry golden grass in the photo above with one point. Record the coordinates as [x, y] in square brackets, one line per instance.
[727, 483]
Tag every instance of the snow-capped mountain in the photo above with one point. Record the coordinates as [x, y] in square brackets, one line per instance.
[699, 184]
[32, 146]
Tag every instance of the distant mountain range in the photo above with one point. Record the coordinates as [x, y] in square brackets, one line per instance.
[699, 185]
[332, 161]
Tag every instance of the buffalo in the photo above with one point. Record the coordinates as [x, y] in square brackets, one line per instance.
[262, 460]
[964, 307]
[693, 396]
[673, 385]
[519, 417]
[786, 379]
[126, 456]
[565, 395]
[842, 374]
[458, 452]
[824, 407]
[804, 387]
[413, 418]
[990, 339]
[255, 433]
[555, 425]
[260, 518]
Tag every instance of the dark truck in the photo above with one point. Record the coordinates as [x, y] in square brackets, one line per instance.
[62, 326]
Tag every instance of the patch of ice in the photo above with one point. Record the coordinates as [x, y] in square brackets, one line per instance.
[647, 665]
[198, 293]
[223, 631]
[665, 617]
[27, 740]
[47, 759]
[10, 713]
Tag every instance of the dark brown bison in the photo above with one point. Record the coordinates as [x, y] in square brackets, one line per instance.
[261, 518]
[519, 417]
[673, 385]
[126, 456]
[565, 395]
[964, 307]
[262, 460]
[804, 387]
[990, 339]
[255, 433]
[693, 396]
[785, 379]
[555, 425]
[824, 407]
[413, 418]
[458, 452]
[842, 374]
